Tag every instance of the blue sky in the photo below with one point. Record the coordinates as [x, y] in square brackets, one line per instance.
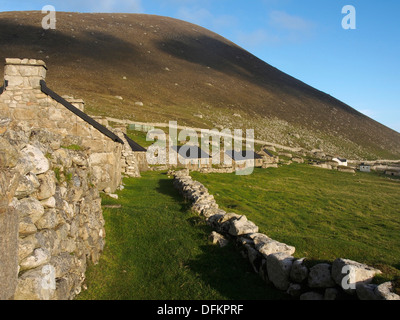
[304, 38]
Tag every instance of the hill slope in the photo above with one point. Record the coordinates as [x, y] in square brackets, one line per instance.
[183, 72]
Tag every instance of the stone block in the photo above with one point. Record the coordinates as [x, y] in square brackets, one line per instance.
[242, 226]
[39, 257]
[354, 272]
[278, 267]
[320, 276]
[35, 156]
[36, 284]
[266, 246]
[299, 271]
[47, 186]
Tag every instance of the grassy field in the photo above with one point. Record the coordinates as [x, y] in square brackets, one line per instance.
[325, 214]
[157, 249]
[140, 138]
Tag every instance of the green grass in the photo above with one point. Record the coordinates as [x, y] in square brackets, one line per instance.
[73, 147]
[325, 214]
[139, 137]
[157, 249]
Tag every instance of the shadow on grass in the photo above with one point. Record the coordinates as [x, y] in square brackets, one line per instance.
[222, 268]
[166, 187]
[226, 271]
[131, 266]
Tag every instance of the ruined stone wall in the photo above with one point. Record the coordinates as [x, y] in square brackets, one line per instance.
[274, 261]
[51, 222]
[128, 162]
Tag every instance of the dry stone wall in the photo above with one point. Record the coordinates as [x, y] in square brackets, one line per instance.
[51, 216]
[274, 261]
[52, 166]
[129, 161]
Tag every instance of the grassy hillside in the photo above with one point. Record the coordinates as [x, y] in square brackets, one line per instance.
[183, 72]
[156, 249]
[325, 214]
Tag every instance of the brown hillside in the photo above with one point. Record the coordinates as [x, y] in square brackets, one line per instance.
[179, 70]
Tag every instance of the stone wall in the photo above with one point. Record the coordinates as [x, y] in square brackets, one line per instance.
[53, 165]
[51, 217]
[23, 100]
[274, 261]
[129, 161]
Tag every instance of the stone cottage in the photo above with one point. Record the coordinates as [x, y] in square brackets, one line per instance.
[393, 173]
[192, 157]
[364, 167]
[26, 97]
[269, 160]
[244, 158]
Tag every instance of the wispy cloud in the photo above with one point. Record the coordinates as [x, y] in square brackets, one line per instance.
[205, 18]
[291, 28]
[133, 6]
[107, 6]
[368, 112]
[194, 15]
[280, 28]
[257, 38]
[283, 20]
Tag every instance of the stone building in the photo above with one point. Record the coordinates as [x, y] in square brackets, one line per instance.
[245, 158]
[192, 157]
[364, 167]
[26, 97]
[54, 160]
[139, 153]
[395, 173]
[269, 160]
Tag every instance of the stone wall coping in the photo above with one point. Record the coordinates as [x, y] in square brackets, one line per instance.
[25, 62]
